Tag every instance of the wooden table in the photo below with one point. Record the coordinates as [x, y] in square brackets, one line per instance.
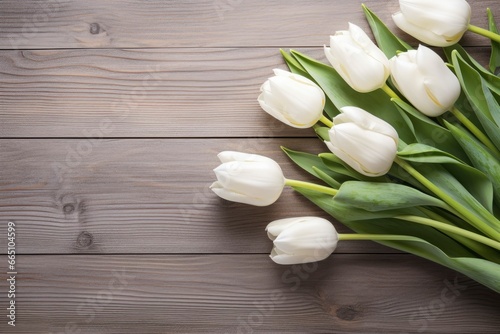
[111, 116]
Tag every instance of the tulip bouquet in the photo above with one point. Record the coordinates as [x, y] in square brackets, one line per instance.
[412, 144]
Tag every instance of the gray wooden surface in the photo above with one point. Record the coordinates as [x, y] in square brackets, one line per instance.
[111, 116]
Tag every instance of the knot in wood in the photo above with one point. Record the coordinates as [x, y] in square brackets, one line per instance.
[95, 28]
[84, 240]
[347, 312]
[68, 208]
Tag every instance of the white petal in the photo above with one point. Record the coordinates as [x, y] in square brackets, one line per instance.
[274, 228]
[294, 99]
[287, 259]
[362, 39]
[227, 156]
[410, 82]
[372, 152]
[248, 178]
[280, 72]
[357, 59]
[345, 157]
[420, 33]
[268, 104]
[366, 121]
[316, 236]
[441, 85]
[447, 18]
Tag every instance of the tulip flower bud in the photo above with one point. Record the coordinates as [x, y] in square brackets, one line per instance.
[437, 23]
[363, 141]
[248, 178]
[357, 59]
[425, 80]
[301, 239]
[292, 99]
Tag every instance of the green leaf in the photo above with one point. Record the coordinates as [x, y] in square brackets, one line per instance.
[423, 153]
[485, 107]
[293, 65]
[419, 240]
[312, 163]
[472, 184]
[427, 131]
[495, 46]
[341, 94]
[348, 213]
[492, 81]
[326, 178]
[376, 196]
[480, 156]
[322, 132]
[460, 197]
[386, 40]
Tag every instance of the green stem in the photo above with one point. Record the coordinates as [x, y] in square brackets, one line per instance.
[311, 186]
[474, 129]
[326, 121]
[484, 32]
[374, 237]
[392, 94]
[450, 228]
[479, 248]
[466, 214]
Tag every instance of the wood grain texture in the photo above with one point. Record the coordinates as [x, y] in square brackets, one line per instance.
[142, 93]
[38, 24]
[111, 116]
[140, 196]
[246, 294]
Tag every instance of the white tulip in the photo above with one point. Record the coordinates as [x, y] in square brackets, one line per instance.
[357, 59]
[248, 178]
[363, 141]
[437, 23]
[301, 239]
[292, 99]
[425, 80]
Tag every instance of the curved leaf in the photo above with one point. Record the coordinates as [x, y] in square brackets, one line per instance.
[429, 132]
[472, 184]
[424, 241]
[492, 81]
[481, 158]
[311, 163]
[495, 46]
[389, 43]
[484, 104]
[376, 196]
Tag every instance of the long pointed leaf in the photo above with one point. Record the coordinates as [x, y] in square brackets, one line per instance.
[428, 131]
[376, 196]
[495, 46]
[424, 242]
[471, 184]
[386, 40]
[484, 104]
[492, 81]
[481, 158]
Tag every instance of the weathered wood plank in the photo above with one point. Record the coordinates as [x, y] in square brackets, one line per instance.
[32, 24]
[141, 93]
[246, 294]
[139, 196]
